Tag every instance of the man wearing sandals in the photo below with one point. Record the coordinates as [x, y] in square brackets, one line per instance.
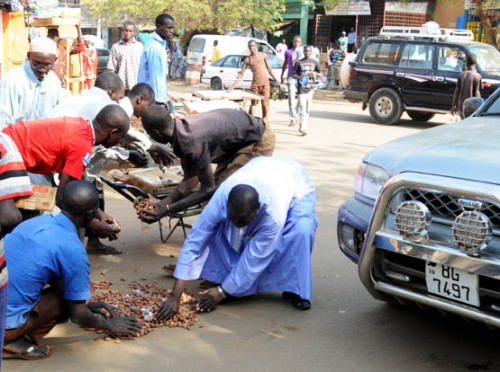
[37, 259]
[256, 234]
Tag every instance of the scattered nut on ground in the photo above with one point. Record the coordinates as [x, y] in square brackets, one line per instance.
[142, 302]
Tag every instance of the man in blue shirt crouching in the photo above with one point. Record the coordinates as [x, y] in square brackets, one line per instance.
[46, 250]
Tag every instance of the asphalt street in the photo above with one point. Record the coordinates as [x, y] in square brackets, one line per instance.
[346, 329]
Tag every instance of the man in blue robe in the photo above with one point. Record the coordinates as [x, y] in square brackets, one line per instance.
[256, 234]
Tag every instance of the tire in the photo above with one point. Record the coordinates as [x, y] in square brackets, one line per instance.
[420, 115]
[216, 84]
[386, 106]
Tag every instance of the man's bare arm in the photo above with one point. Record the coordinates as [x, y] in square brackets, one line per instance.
[207, 188]
[269, 69]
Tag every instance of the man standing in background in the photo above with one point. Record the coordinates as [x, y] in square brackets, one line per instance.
[281, 48]
[343, 42]
[351, 40]
[125, 56]
[260, 81]
[468, 85]
[153, 67]
[291, 56]
[306, 71]
[216, 52]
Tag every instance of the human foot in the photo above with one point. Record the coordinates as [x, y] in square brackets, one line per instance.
[22, 348]
[296, 301]
[94, 246]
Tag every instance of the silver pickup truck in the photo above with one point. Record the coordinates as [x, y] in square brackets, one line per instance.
[424, 223]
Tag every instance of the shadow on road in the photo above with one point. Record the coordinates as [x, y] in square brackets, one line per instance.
[365, 119]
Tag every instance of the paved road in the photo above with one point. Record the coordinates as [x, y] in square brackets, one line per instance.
[346, 330]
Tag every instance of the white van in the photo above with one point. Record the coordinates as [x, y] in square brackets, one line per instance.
[201, 47]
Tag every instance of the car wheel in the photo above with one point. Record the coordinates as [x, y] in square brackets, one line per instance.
[385, 106]
[216, 84]
[420, 116]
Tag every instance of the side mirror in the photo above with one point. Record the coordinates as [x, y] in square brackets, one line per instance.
[471, 105]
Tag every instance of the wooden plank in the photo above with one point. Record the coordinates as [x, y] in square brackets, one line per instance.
[235, 95]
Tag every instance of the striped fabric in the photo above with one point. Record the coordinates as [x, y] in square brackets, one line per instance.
[14, 183]
[14, 180]
[124, 59]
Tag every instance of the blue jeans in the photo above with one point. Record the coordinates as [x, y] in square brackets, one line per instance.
[292, 99]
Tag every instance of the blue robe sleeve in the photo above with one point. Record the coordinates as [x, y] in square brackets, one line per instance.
[153, 71]
[194, 251]
[257, 255]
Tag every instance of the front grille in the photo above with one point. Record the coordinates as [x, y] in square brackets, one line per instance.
[446, 206]
[414, 268]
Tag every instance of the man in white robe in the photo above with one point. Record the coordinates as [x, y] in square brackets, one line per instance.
[256, 234]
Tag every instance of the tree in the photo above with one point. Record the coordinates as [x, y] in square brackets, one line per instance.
[191, 15]
[488, 30]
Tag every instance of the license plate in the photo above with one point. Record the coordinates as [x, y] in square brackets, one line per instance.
[446, 281]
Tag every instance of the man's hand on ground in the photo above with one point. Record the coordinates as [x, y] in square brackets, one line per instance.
[102, 308]
[454, 110]
[168, 309]
[138, 158]
[211, 298]
[122, 326]
[154, 214]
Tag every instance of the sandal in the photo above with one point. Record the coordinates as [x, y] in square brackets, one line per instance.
[296, 301]
[32, 352]
[107, 249]
[169, 269]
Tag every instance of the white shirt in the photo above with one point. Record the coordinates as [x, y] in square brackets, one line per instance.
[24, 97]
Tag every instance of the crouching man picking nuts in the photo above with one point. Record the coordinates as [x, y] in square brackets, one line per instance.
[46, 250]
[256, 234]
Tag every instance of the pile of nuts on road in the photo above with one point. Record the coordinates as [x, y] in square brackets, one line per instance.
[142, 302]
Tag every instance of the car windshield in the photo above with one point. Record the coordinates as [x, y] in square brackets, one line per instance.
[219, 62]
[493, 108]
[197, 45]
[488, 58]
[275, 62]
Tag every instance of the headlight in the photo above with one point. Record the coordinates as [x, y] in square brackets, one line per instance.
[369, 180]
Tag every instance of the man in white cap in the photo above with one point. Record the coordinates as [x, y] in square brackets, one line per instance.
[28, 91]
[343, 42]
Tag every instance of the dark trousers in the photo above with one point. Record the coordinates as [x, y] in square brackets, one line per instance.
[49, 311]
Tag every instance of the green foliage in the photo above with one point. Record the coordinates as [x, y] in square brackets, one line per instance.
[190, 15]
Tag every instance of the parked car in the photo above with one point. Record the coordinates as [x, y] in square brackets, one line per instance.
[415, 69]
[222, 73]
[424, 222]
[103, 57]
[201, 47]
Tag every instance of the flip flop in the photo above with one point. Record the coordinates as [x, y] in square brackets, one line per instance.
[169, 269]
[296, 301]
[106, 250]
[31, 353]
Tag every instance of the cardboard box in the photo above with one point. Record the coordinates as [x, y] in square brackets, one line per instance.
[43, 199]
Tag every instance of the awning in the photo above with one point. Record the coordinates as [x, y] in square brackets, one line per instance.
[350, 8]
[283, 24]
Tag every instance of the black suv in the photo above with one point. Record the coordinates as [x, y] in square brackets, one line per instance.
[407, 69]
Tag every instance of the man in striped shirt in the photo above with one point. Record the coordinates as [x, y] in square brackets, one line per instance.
[125, 56]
